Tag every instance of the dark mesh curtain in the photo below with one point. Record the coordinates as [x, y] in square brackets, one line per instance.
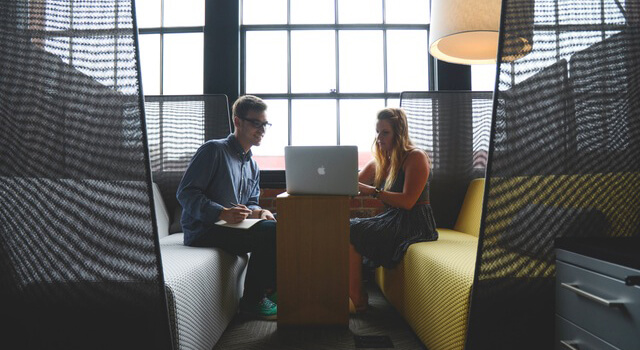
[177, 126]
[79, 257]
[564, 158]
[454, 127]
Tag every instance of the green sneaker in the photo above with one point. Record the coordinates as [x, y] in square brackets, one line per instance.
[273, 297]
[264, 309]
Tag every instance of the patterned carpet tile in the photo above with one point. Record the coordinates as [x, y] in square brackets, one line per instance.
[381, 319]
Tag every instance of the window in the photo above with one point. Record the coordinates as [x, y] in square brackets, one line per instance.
[326, 67]
[171, 46]
[483, 77]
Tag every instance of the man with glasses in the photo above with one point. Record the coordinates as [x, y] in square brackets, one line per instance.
[222, 182]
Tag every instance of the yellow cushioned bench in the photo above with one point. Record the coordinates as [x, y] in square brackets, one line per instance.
[431, 286]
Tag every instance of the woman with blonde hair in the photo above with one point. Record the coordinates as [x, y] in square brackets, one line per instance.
[398, 176]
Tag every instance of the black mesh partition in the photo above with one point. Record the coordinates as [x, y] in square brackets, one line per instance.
[177, 126]
[454, 127]
[79, 255]
[564, 158]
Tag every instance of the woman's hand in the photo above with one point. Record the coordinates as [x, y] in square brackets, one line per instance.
[235, 214]
[366, 190]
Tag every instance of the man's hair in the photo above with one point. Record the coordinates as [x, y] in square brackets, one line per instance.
[247, 103]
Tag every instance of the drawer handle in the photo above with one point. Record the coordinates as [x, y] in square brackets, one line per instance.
[597, 299]
[569, 345]
[632, 280]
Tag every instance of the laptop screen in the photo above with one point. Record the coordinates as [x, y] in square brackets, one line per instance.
[321, 170]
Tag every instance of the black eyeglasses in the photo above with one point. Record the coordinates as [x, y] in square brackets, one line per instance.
[256, 124]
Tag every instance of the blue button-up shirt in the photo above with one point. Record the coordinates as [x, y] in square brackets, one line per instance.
[219, 174]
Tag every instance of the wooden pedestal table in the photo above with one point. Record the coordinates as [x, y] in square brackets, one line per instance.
[313, 260]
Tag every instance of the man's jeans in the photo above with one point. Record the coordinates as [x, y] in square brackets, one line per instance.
[260, 241]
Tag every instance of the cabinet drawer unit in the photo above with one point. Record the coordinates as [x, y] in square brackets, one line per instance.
[593, 295]
[571, 337]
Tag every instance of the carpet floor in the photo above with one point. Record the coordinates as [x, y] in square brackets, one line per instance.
[380, 327]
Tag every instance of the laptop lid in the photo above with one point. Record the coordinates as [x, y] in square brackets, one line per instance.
[321, 170]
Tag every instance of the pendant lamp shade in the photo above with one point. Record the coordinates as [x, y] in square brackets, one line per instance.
[467, 32]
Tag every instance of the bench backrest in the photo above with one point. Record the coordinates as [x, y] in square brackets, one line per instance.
[471, 212]
[162, 216]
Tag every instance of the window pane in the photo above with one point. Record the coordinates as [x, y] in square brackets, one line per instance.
[264, 11]
[614, 14]
[150, 63]
[87, 55]
[358, 126]
[407, 60]
[266, 60]
[393, 102]
[59, 46]
[86, 15]
[148, 13]
[360, 11]
[183, 62]
[586, 12]
[361, 64]
[313, 122]
[312, 12]
[55, 16]
[313, 61]
[483, 77]
[270, 153]
[183, 13]
[408, 11]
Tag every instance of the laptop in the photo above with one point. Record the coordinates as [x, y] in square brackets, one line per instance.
[321, 170]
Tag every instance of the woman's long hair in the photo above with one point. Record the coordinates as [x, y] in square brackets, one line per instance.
[392, 160]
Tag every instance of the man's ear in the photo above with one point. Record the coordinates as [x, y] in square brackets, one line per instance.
[236, 122]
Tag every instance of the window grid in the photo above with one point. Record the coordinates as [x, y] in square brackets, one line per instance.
[162, 30]
[336, 93]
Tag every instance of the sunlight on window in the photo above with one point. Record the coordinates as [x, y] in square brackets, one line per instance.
[483, 77]
[393, 102]
[359, 11]
[183, 13]
[148, 13]
[312, 12]
[266, 62]
[358, 125]
[407, 60]
[361, 61]
[408, 11]
[270, 153]
[264, 11]
[276, 137]
[59, 46]
[150, 63]
[313, 122]
[183, 64]
[313, 63]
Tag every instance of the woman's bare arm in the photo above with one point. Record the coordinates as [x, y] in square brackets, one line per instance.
[416, 169]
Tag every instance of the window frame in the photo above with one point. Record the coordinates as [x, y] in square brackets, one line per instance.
[162, 30]
[275, 178]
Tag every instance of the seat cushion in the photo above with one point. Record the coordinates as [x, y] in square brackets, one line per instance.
[203, 287]
[431, 288]
[438, 280]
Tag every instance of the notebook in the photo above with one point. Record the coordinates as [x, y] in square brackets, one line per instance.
[321, 170]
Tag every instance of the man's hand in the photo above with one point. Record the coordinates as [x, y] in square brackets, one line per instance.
[235, 214]
[267, 215]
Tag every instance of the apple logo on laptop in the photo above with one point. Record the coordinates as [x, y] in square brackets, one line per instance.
[321, 170]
